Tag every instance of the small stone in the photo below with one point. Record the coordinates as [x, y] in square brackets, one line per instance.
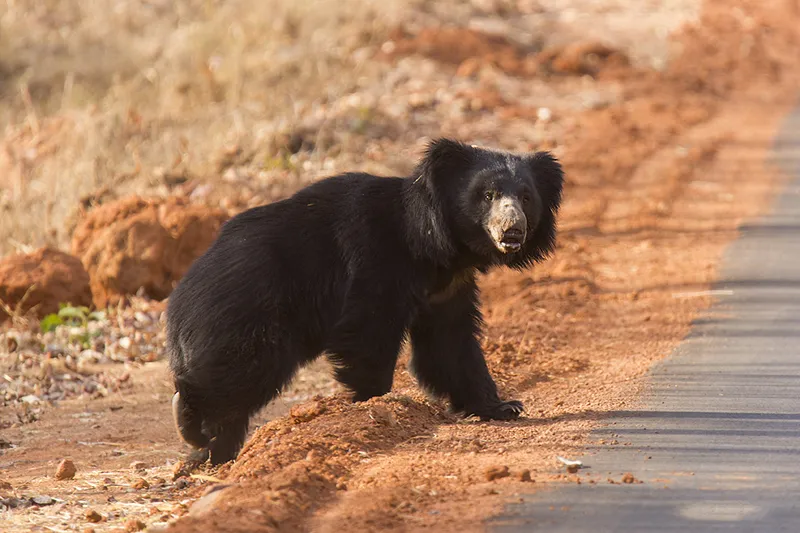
[203, 505]
[5, 485]
[89, 530]
[140, 484]
[43, 500]
[312, 456]
[544, 114]
[93, 516]
[307, 412]
[138, 465]
[628, 478]
[524, 475]
[134, 525]
[182, 483]
[66, 470]
[496, 472]
[572, 469]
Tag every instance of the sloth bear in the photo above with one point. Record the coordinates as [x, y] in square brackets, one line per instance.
[351, 266]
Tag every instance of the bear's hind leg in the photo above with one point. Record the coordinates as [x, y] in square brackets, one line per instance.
[228, 439]
[188, 422]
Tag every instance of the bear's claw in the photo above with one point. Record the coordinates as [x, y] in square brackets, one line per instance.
[501, 411]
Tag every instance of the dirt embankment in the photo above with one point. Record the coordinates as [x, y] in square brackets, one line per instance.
[658, 183]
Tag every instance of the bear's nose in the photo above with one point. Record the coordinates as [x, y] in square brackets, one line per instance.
[507, 224]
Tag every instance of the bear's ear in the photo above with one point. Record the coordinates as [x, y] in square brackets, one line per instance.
[445, 159]
[548, 177]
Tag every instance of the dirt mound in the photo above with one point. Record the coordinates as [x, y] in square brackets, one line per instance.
[142, 243]
[294, 465]
[581, 58]
[470, 50]
[42, 280]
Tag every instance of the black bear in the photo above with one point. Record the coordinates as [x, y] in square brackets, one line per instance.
[350, 266]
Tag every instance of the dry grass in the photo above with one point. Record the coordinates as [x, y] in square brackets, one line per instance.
[107, 93]
[113, 96]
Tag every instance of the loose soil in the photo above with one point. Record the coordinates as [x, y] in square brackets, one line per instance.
[659, 178]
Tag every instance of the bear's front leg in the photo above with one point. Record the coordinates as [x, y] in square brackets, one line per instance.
[448, 361]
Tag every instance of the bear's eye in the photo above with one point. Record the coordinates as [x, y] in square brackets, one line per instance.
[526, 199]
[489, 196]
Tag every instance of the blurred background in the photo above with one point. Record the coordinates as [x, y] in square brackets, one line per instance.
[256, 98]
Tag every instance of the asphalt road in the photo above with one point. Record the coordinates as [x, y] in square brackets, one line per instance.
[716, 437]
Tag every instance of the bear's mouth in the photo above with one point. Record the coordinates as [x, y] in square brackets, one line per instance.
[511, 241]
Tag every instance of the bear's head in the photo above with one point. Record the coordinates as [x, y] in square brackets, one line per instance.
[489, 207]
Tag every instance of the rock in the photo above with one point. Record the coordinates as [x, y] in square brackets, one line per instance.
[134, 525]
[628, 478]
[524, 475]
[140, 484]
[15, 503]
[307, 411]
[144, 244]
[572, 469]
[138, 465]
[93, 516]
[496, 472]
[181, 469]
[5, 485]
[66, 470]
[56, 278]
[192, 462]
[205, 503]
[42, 500]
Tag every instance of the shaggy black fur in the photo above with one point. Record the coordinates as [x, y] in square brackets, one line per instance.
[348, 267]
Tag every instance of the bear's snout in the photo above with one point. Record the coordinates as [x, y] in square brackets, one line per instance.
[507, 224]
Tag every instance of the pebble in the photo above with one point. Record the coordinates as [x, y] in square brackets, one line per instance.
[205, 503]
[93, 516]
[133, 525]
[496, 472]
[43, 500]
[140, 484]
[524, 475]
[66, 470]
